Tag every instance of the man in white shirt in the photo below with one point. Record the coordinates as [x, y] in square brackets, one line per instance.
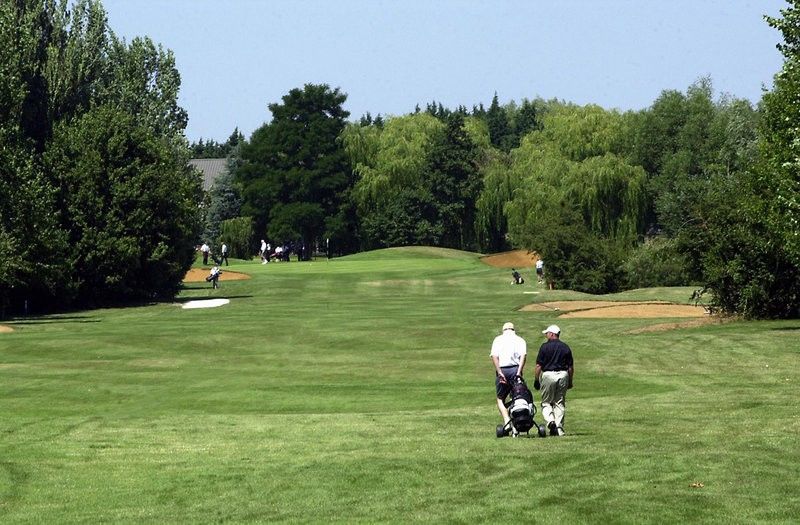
[508, 356]
[204, 249]
[263, 252]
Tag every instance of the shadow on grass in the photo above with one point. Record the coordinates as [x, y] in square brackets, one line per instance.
[785, 329]
[201, 298]
[53, 319]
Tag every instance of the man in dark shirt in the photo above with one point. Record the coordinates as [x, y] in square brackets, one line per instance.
[553, 374]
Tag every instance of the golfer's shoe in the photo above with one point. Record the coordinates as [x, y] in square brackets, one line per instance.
[553, 430]
[514, 433]
[561, 431]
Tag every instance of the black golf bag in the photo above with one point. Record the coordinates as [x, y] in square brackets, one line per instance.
[521, 411]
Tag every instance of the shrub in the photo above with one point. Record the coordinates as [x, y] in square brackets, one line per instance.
[238, 234]
[657, 262]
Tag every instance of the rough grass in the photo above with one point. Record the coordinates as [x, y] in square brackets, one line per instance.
[318, 395]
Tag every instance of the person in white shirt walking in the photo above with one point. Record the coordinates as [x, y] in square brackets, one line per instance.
[508, 357]
[205, 250]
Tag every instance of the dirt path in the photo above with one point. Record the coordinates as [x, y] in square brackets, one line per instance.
[5, 329]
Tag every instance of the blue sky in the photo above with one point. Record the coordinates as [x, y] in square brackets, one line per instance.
[238, 56]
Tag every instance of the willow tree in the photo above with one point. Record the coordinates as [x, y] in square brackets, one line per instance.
[391, 158]
[393, 201]
[499, 183]
[574, 179]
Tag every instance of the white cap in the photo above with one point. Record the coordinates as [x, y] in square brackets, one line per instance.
[552, 328]
[508, 326]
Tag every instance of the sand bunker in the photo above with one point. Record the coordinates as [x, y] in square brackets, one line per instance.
[205, 303]
[640, 311]
[569, 306]
[618, 309]
[5, 329]
[196, 275]
[512, 259]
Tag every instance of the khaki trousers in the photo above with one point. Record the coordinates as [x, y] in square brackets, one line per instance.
[554, 393]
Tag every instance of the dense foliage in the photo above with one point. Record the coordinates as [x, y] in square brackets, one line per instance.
[96, 202]
[753, 264]
[128, 205]
[211, 149]
[294, 174]
[238, 234]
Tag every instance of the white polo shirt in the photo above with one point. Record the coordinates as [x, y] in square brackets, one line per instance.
[509, 348]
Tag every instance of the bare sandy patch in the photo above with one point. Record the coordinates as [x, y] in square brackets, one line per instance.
[5, 329]
[570, 306]
[197, 275]
[512, 259]
[640, 311]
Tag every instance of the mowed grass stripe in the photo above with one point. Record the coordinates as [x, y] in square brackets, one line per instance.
[359, 390]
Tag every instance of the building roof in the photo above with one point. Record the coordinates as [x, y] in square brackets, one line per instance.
[211, 169]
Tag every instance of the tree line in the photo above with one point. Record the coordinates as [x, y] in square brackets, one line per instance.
[97, 202]
[680, 193]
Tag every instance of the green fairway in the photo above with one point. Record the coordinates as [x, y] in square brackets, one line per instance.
[359, 390]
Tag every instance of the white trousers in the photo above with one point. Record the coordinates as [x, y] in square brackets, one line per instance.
[554, 394]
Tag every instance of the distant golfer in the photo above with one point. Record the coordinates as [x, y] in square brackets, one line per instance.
[508, 356]
[540, 270]
[224, 252]
[213, 277]
[205, 250]
[553, 374]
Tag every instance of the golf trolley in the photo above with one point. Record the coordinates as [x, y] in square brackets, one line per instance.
[521, 410]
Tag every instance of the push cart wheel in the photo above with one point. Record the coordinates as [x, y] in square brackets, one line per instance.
[542, 431]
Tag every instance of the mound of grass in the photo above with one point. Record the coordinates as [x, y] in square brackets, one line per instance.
[360, 390]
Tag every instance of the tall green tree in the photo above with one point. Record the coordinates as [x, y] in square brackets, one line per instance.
[294, 173]
[129, 204]
[576, 194]
[391, 168]
[752, 264]
[500, 132]
[454, 180]
[224, 202]
[686, 142]
[781, 137]
[65, 85]
[143, 80]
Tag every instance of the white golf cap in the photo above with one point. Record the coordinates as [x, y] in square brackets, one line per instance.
[508, 326]
[552, 328]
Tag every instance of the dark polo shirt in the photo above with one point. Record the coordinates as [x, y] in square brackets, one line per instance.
[554, 356]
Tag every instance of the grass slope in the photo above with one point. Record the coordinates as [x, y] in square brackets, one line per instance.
[360, 390]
